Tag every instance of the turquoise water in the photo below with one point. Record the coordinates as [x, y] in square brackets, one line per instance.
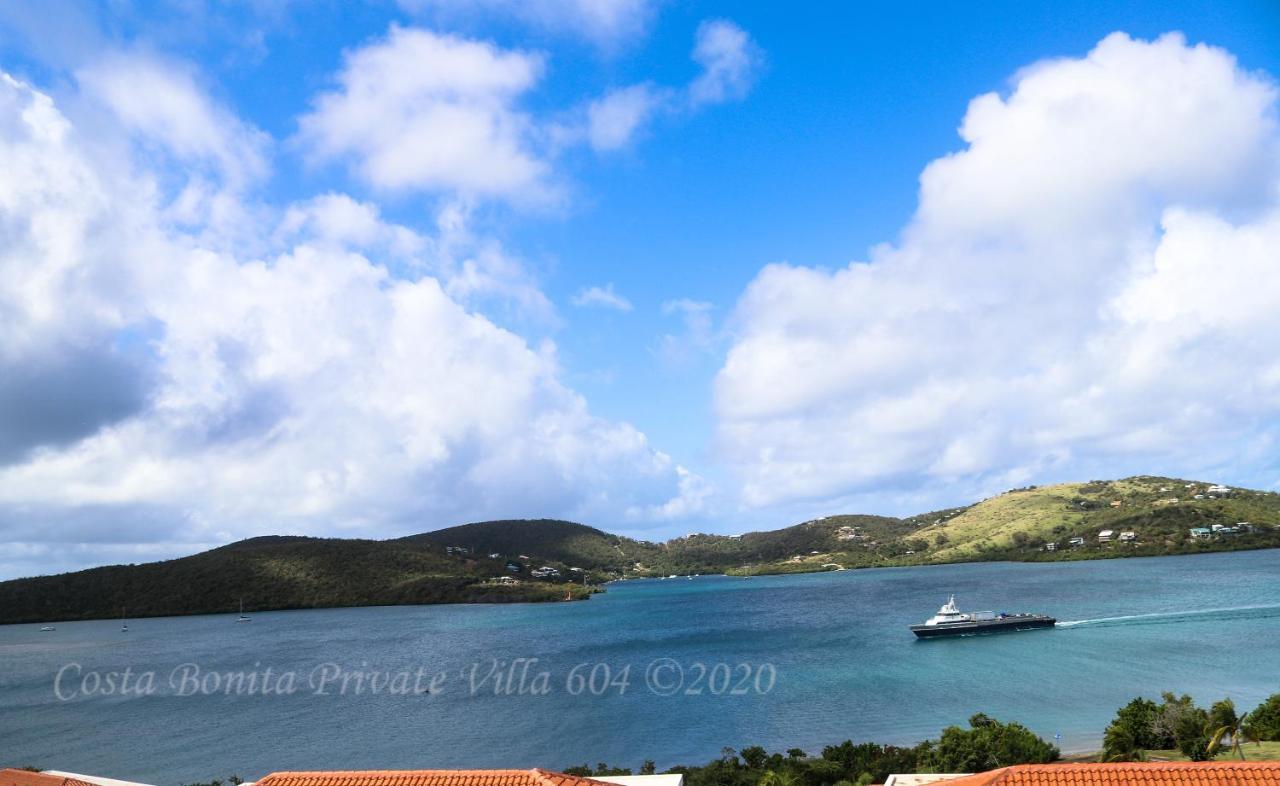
[809, 660]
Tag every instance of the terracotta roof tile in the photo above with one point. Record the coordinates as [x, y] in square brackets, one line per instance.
[420, 778]
[1174, 773]
[28, 778]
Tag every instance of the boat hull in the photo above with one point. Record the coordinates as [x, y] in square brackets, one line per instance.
[983, 627]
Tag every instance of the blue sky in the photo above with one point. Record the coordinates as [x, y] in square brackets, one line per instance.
[375, 268]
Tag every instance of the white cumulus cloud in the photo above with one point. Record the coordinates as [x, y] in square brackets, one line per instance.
[1087, 287]
[615, 118]
[173, 393]
[425, 111]
[730, 61]
[160, 101]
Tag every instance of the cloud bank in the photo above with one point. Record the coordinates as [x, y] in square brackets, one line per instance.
[163, 389]
[1090, 284]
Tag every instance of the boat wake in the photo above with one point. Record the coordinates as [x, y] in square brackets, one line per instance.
[1171, 616]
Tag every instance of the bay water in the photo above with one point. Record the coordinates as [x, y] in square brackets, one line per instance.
[671, 670]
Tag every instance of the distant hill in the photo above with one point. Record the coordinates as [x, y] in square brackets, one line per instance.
[1159, 511]
[566, 542]
[831, 535]
[267, 573]
[454, 564]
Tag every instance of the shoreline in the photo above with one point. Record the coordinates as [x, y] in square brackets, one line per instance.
[1083, 557]
[552, 598]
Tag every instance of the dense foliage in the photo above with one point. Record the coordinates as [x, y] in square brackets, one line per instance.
[268, 573]
[1264, 722]
[986, 744]
[1178, 724]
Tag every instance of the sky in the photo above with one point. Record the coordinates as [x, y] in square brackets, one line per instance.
[371, 269]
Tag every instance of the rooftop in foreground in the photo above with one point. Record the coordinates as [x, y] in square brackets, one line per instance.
[533, 777]
[1173, 773]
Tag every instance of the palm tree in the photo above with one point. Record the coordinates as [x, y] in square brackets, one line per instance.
[1237, 729]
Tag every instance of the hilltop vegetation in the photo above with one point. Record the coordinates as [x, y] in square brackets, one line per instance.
[1039, 523]
[1160, 512]
[563, 543]
[538, 559]
[269, 573]
[550, 540]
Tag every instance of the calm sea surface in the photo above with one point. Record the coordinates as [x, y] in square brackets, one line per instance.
[808, 660]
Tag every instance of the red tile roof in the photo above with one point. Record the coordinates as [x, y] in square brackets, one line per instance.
[1174, 773]
[426, 778]
[28, 778]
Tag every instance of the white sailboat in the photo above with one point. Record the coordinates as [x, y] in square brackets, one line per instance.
[242, 617]
[124, 626]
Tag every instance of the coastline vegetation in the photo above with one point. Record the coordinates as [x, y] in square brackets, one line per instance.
[1143, 730]
[549, 560]
[276, 573]
[1176, 729]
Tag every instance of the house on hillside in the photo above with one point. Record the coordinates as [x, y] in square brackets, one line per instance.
[1106, 535]
[1128, 536]
[1051, 546]
[1074, 542]
[1201, 533]
[1115, 503]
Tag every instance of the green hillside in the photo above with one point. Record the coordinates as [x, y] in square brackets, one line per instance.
[547, 557]
[1159, 511]
[807, 546]
[1021, 524]
[270, 573]
[546, 540]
